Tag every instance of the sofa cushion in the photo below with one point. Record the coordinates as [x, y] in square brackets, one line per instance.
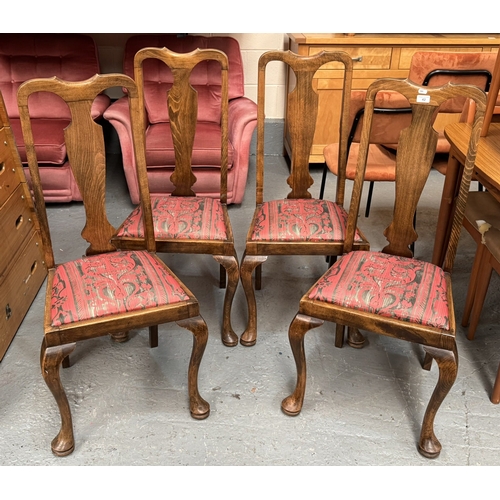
[70, 57]
[49, 140]
[206, 148]
[205, 78]
[155, 97]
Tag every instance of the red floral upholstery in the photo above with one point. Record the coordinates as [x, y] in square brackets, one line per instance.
[180, 217]
[387, 285]
[301, 220]
[106, 284]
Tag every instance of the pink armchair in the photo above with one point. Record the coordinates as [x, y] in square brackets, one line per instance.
[206, 150]
[70, 57]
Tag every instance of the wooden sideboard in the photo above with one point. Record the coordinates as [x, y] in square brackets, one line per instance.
[22, 270]
[375, 56]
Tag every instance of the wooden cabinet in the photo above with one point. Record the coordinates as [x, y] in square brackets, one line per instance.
[22, 270]
[374, 56]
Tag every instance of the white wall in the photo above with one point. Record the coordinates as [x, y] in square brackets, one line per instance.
[252, 45]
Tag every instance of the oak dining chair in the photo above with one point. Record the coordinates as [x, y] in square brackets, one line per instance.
[186, 222]
[390, 292]
[107, 291]
[298, 224]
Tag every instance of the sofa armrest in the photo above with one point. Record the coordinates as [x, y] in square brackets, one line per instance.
[242, 122]
[119, 116]
[100, 105]
[242, 111]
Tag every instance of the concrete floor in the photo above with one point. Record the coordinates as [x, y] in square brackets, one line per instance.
[362, 407]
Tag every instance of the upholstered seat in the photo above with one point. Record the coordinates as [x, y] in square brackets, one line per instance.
[300, 220]
[113, 283]
[387, 285]
[179, 217]
[382, 161]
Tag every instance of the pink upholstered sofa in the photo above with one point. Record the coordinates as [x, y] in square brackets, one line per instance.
[206, 149]
[68, 56]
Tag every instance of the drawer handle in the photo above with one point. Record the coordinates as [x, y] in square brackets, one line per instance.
[32, 271]
[8, 312]
[19, 221]
[357, 59]
[2, 168]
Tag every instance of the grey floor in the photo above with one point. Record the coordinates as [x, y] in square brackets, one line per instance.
[362, 407]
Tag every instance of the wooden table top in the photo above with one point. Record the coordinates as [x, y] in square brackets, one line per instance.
[487, 167]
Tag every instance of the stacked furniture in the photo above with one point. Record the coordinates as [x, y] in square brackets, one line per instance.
[22, 270]
[71, 57]
[206, 157]
[374, 56]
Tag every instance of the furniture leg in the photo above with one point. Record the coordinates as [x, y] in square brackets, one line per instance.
[301, 324]
[222, 277]
[427, 364]
[483, 281]
[471, 291]
[50, 360]
[369, 198]
[120, 337]
[445, 211]
[258, 277]
[339, 335]
[495, 394]
[355, 338]
[248, 264]
[199, 408]
[323, 181]
[230, 266]
[429, 446]
[153, 336]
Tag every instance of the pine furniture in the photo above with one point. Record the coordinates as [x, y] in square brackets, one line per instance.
[22, 269]
[374, 56]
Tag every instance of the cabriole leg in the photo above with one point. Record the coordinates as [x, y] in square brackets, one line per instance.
[199, 408]
[429, 446]
[355, 338]
[231, 267]
[249, 263]
[299, 326]
[50, 361]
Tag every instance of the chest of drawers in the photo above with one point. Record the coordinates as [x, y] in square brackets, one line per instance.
[22, 270]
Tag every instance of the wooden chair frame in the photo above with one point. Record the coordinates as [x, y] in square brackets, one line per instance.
[414, 161]
[182, 106]
[85, 144]
[301, 123]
